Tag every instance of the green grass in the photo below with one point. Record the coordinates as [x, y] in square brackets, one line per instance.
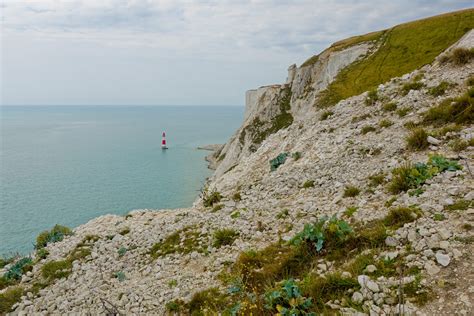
[459, 111]
[459, 205]
[209, 199]
[217, 208]
[402, 112]
[367, 129]
[308, 184]
[326, 114]
[403, 48]
[350, 211]
[9, 298]
[376, 179]
[351, 191]
[459, 56]
[440, 89]
[54, 270]
[224, 237]
[56, 234]
[372, 98]
[236, 197]
[407, 87]
[385, 123]
[182, 241]
[417, 139]
[390, 107]
[399, 216]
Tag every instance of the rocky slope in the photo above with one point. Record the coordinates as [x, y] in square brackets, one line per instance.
[416, 260]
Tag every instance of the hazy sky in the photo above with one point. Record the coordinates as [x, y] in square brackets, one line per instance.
[170, 52]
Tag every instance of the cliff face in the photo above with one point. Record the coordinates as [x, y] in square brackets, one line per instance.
[392, 168]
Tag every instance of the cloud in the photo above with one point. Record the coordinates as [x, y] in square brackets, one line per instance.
[212, 33]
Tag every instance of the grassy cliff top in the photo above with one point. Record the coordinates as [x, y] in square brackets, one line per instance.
[402, 49]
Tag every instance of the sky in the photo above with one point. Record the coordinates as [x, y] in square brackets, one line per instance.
[171, 52]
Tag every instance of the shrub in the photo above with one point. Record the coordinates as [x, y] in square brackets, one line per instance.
[217, 208]
[9, 298]
[389, 107]
[236, 197]
[407, 87]
[19, 268]
[122, 251]
[287, 300]
[224, 237]
[350, 211]
[207, 301]
[439, 217]
[124, 231]
[283, 214]
[458, 145]
[308, 184]
[372, 97]
[42, 253]
[54, 235]
[470, 81]
[175, 306]
[278, 161]
[403, 111]
[367, 129]
[440, 89]
[417, 139]
[326, 114]
[356, 119]
[6, 260]
[399, 216]
[296, 155]
[461, 56]
[120, 275]
[385, 123]
[459, 110]
[351, 191]
[459, 205]
[376, 179]
[56, 269]
[314, 235]
[182, 241]
[209, 199]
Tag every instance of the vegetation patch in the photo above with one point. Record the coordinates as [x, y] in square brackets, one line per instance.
[372, 98]
[211, 198]
[224, 237]
[413, 176]
[397, 217]
[390, 107]
[402, 49]
[459, 56]
[351, 191]
[308, 184]
[367, 129]
[459, 205]
[350, 211]
[54, 270]
[459, 111]
[326, 114]
[56, 234]
[385, 123]
[407, 87]
[217, 208]
[9, 298]
[278, 161]
[402, 112]
[417, 139]
[236, 197]
[440, 89]
[376, 179]
[182, 241]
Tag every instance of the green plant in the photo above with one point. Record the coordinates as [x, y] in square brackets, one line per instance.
[459, 56]
[459, 205]
[296, 155]
[56, 269]
[407, 87]
[390, 201]
[439, 217]
[402, 112]
[315, 234]
[372, 97]
[385, 123]
[283, 214]
[124, 231]
[459, 110]
[367, 129]
[376, 179]
[217, 208]
[440, 89]
[6, 260]
[223, 237]
[19, 268]
[207, 302]
[308, 184]
[458, 145]
[350, 211]
[42, 253]
[287, 300]
[326, 114]
[351, 191]
[356, 119]
[399, 216]
[9, 298]
[235, 214]
[182, 241]
[175, 306]
[236, 197]
[122, 251]
[389, 107]
[278, 161]
[417, 139]
[209, 199]
[470, 81]
[120, 275]
[56, 234]
[172, 283]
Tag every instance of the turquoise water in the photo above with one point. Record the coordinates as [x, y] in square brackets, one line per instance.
[68, 165]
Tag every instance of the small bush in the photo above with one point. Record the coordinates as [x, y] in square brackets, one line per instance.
[350, 211]
[399, 216]
[19, 268]
[458, 145]
[124, 231]
[417, 139]
[217, 208]
[356, 119]
[459, 56]
[278, 161]
[389, 107]
[283, 214]
[122, 251]
[209, 199]
[182, 241]
[56, 269]
[439, 217]
[385, 123]
[54, 235]
[403, 111]
[351, 191]
[236, 197]
[367, 129]
[6, 260]
[407, 87]
[470, 81]
[9, 298]
[120, 275]
[224, 237]
[440, 89]
[287, 299]
[42, 253]
[376, 179]
[459, 205]
[207, 302]
[326, 114]
[296, 155]
[372, 98]
[459, 110]
[175, 306]
[308, 184]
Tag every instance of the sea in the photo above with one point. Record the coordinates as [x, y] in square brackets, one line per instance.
[68, 164]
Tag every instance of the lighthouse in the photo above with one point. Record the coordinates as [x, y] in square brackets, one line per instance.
[163, 141]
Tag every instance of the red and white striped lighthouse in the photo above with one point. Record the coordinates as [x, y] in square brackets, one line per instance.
[163, 141]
